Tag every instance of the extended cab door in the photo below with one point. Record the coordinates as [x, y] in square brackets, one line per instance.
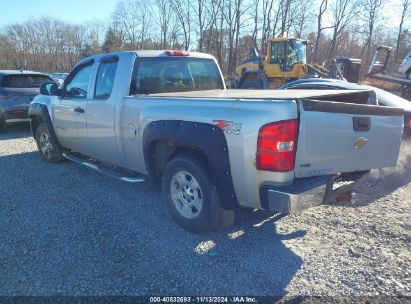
[70, 111]
[101, 112]
[336, 137]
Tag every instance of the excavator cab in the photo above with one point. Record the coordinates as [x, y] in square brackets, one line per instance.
[286, 53]
[286, 61]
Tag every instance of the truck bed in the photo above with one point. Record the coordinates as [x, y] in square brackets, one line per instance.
[263, 94]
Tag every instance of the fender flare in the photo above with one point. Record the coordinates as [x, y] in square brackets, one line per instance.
[205, 137]
[41, 111]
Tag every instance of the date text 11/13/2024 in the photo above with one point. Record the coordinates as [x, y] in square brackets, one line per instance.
[205, 299]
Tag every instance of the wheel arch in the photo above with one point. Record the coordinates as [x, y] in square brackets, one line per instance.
[165, 139]
[258, 75]
[38, 113]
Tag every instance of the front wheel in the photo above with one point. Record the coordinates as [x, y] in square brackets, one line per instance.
[48, 149]
[252, 84]
[191, 197]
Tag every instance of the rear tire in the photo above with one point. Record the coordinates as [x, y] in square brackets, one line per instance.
[48, 149]
[191, 197]
[408, 75]
[252, 84]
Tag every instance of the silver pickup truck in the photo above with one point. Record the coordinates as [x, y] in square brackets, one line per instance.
[166, 116]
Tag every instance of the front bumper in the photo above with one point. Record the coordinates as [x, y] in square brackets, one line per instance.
[306, 192]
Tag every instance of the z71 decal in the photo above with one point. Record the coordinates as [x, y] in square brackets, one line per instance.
[228, 126]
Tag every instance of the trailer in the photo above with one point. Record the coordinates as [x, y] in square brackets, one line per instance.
[378, 70]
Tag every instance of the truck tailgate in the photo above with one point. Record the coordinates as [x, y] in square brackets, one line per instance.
[336, 137]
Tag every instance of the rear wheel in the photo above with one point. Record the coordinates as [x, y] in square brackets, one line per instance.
[191, 197]
[408, 74]
[48, 149]
[252, 84]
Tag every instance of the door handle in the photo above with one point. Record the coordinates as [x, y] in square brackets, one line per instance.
[79, 110]
[361, 124]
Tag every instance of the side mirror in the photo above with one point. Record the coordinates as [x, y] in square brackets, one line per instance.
[49, 88]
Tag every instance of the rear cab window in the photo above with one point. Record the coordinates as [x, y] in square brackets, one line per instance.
[174, 74]
[23, 81]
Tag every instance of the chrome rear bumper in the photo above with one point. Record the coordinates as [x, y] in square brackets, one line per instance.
[306, 192]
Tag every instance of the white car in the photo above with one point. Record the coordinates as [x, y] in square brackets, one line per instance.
[405, 66]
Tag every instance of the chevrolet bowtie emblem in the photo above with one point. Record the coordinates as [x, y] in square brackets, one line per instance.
[360, 142]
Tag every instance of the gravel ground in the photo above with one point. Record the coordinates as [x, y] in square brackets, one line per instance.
[66, 230]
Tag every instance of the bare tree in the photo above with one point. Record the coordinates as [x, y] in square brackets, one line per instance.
[163, 15]
[234, 10]
[182, 10]
[302, 16]
[224, 28]
[321, 11]
[126, 22]
[372, 14]
[200, 13]
[284, 10]
[132, 20]
[217, 28]
[267, 27]
[343, 12]
[46, 44]
[255, 4]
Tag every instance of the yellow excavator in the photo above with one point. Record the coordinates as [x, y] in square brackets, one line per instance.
[286, 60]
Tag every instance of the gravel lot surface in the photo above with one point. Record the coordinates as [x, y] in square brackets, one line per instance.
[66, 230]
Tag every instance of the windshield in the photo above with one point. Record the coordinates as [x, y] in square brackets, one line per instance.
[300, 49]
[174, 74]
[24, 81]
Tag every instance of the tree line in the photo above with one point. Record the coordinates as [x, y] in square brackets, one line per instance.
[225, 28]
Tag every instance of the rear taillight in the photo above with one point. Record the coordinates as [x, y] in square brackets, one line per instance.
[177, 53]
[409, 122]
[276, 146]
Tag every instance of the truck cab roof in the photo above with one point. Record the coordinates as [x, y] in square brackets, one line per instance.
[18, 72]
[163, 53]
[151, 54]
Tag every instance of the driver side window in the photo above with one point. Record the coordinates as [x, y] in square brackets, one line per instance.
[77, 87]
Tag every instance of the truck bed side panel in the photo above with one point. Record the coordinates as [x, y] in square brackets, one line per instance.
[139, 111]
